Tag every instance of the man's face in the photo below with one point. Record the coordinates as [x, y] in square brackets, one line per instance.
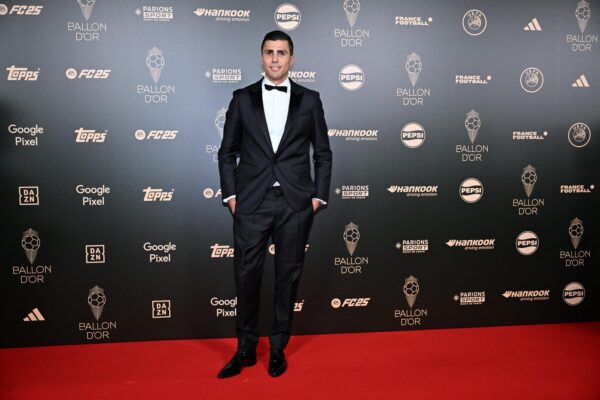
[276, 60]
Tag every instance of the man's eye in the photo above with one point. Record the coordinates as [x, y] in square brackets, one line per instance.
[281, 53]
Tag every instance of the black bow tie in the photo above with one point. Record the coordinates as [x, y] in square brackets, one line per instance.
[280, 88]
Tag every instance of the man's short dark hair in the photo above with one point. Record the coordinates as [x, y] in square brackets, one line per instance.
[278, 35]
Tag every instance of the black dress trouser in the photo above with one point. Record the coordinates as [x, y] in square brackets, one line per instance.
[289, 230]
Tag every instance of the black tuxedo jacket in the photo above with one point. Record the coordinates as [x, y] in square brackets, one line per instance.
[246, 136]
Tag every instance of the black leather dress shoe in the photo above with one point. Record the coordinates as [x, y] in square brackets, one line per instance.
[277, 363]
[242, 358]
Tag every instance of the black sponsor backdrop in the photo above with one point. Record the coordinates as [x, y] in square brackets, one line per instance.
[193, 221]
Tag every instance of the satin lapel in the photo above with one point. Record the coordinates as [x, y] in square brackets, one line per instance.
[259, 112]
[295, 100]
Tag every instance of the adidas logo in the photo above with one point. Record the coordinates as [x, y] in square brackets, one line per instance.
[581, 82]
[34, 316]
[534, 25]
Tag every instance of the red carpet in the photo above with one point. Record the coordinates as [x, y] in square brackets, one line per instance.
[526, 362]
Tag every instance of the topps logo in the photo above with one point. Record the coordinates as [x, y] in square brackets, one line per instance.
[19, 9]
[22, 74]
[157, 194]
[89, 135]
[221, 250]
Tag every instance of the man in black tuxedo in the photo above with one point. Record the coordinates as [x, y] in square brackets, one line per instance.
[265, 170]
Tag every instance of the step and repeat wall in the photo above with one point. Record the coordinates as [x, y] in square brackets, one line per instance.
[464, 190]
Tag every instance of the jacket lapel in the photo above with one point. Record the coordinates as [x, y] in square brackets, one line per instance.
[259, 112]
[295, 100]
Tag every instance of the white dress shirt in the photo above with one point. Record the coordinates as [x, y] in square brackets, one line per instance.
[276, 104]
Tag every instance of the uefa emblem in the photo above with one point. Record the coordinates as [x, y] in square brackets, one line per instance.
[474, 22]
[579, 134]
[287, 17]
[471, 190]
[351, 77]
[527, 243]
[532, 80]
[413, 135]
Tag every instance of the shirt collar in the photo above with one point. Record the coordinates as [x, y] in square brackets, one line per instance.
[285, 83]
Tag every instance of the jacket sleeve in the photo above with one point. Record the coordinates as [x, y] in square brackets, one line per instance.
[322, 157]
[230, 148]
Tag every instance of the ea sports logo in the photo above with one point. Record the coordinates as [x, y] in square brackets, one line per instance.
[471, 190]
[287, 17]
[71, 73]
[413, 135]
[336, 303]
[351, 77]
[527, 243]
[140, 134]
